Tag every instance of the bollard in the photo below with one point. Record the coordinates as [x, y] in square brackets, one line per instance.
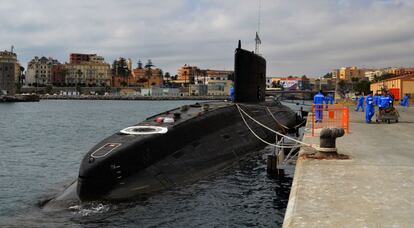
[327, 145]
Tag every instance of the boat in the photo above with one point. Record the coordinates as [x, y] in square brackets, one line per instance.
[185, 144]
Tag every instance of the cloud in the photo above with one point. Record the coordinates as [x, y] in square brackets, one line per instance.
[298, 37]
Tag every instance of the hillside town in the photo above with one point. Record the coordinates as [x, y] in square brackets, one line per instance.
[91, 74]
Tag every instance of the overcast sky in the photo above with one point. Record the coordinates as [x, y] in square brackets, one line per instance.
[298, 36]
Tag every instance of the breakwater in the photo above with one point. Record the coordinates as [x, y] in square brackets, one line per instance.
[119, 97]
[19, 98]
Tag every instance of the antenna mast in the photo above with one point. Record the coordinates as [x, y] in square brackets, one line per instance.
[257, 38]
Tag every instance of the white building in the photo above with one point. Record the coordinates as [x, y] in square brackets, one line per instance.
[160, 92]
[371, 74]
[39, 71]
[219, 87]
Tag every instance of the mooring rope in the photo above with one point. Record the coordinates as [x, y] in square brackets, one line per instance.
[241, 111]
[274, 118]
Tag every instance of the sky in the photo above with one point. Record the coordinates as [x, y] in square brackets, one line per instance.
[299, 37]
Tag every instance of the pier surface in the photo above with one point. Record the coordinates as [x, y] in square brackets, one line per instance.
[374, 188]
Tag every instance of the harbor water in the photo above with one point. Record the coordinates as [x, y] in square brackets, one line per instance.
[42, 144]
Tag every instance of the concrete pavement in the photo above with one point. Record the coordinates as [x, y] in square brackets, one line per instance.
[375, 188]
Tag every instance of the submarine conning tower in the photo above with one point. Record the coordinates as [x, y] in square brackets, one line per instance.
[249, 76]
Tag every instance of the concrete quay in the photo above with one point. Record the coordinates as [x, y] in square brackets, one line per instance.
[374, 188]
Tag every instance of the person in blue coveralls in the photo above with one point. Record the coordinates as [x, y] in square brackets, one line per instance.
[405, 102]
[232, 93]
[328, 99]
[384, 101]
[369, 108]
[360, 103]
[318, 101]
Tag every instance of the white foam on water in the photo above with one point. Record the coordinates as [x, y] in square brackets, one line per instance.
[89, 209]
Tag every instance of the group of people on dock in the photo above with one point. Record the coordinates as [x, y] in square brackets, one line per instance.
[384, 102]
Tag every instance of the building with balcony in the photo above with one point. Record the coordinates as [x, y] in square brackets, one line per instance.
[347, 73]
[87, 70]
[194, 75]
[188, 73]
[372, 74]
[58, 75]
[147, 77]
[39, 71]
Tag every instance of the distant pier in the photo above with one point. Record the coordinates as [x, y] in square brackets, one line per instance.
[374, 188]
[123, 97]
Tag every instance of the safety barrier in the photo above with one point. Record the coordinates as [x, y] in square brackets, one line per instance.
[329, 116]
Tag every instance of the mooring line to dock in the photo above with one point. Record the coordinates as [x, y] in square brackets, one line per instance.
[271, 114]
[241, 111]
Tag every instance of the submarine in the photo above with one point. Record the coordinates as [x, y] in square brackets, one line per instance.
[187, 143]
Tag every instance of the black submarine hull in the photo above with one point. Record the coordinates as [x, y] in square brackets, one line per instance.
[185, 144]
[200, 143]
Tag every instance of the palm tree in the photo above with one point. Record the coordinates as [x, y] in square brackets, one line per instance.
[167, 75]
[120, 68]
[148, 71]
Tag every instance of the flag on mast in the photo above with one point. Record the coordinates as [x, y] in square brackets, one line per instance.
[257, 39]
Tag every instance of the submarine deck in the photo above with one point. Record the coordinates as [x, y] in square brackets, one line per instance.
[372, 189]
[189, 112]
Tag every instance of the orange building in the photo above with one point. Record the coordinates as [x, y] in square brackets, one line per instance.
[195, 75]
[219, 73]
[188, 73]
[147, 77]
[122, 81]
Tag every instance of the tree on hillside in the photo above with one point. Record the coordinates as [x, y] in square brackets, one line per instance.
[167, 75]
[363, 87]
[328, 75]
[341, 88]
[148, 70]
[276, 84]
[383, 77]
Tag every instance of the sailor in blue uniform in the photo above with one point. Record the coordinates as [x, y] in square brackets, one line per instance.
[318, 101]
[369, 108]
[360, 103]
[404, 102]
[384, 102]
[329, 99]
[232, 93]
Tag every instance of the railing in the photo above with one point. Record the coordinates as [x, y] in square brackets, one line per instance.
[330, 116]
